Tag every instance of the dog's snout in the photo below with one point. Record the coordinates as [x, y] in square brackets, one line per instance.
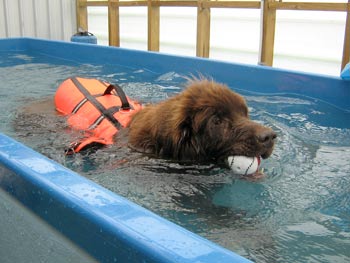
[266, 136]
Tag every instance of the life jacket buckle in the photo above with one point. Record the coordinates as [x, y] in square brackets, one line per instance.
[71, 148]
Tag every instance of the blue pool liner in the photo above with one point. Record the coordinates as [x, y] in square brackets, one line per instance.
[105, 225]
[333, 90]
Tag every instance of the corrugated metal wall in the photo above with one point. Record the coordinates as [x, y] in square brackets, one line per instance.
[50, 19]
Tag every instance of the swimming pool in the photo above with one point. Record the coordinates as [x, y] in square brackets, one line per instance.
[298, 213]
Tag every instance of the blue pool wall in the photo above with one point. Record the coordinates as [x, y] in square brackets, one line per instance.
[333, 90]
[103, 224]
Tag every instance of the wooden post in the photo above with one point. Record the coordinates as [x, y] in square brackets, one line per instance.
[203, 30]
[346, 47]
[153, 25]
[267, 37]
[82, 14]
[113, 23]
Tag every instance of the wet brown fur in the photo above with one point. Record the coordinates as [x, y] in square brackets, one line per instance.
[205, 122]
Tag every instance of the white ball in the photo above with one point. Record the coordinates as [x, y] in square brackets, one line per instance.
[243, 165]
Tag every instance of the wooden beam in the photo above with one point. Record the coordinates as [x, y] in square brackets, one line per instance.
[177, 3]
[267, 37]
[113, 23]
[203, 30]
[279, 5]
[346, 46]
[133, 3]
[120, 3]
[97, 3]
[153, 25]
[232, 4]
[209, 3]
[82, 15]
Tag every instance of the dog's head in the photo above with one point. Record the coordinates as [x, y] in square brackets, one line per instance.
[215, 124]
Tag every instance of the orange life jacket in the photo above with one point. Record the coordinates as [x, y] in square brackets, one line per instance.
[96, 107]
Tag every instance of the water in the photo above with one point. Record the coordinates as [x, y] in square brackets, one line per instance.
[300, 212]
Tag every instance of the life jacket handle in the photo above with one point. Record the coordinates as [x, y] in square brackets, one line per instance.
[121, 94]
[87, 143]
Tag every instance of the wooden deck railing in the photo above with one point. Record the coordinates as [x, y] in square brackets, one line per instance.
[268, 20]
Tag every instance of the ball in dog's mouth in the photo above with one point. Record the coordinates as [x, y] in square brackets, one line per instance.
[244, 165]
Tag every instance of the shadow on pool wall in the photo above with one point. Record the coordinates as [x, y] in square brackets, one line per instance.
[51, 191]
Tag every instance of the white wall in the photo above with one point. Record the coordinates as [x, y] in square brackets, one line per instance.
[50, 19]
[309, 41]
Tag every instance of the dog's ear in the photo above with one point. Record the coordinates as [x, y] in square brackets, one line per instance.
[188, 144]
[185, 131]
[201, 117]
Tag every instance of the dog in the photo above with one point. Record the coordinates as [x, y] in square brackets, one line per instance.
[207, 122]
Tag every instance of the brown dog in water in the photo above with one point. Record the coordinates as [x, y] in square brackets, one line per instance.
[205, 122]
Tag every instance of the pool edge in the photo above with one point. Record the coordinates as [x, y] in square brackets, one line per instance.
[237, 76]
[103, 224]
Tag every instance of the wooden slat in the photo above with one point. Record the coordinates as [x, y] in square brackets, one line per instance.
[82, 15]
[346, 47]
[183, 3]
[95, 3]
[153, 25]
[203, 30]
[279, 5]
[177, 3]
[210, 4]
[113, 23]
[267, 39]
[133, 3]
[120, 3]
[232, 4]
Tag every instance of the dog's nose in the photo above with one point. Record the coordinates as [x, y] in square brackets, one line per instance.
[266, 137]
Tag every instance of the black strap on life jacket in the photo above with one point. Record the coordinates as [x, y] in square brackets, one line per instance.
[105, 112]
[121, 94]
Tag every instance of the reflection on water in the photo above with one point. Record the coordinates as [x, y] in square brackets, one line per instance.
[298, 213]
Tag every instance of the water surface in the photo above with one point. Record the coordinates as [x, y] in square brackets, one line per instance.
[298, 213]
